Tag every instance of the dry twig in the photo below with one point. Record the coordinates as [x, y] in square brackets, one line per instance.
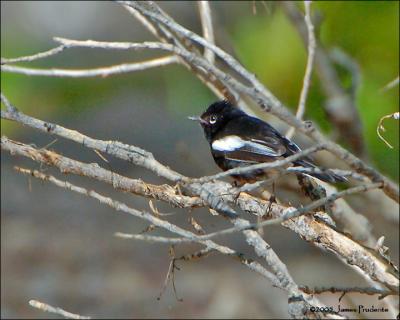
[309, 67]
[207, 25]
[48, 308]
[380, 126]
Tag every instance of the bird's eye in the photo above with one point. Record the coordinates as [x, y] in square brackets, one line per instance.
[213, 119]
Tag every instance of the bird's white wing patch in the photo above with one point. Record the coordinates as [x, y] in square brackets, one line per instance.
[228, 143]
[235, 143]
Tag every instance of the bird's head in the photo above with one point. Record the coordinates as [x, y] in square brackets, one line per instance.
[216, 116]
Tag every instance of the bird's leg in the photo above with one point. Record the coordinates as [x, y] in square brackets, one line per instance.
[272, 199]
[237, 184]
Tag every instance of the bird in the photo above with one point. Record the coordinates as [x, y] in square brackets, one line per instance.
[237, 139]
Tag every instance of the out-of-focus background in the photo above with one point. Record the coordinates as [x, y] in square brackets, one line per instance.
[59, 247]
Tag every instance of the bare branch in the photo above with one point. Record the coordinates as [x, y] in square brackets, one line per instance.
[290, 214]
[119, 206]
[217, 86]
[343, 173]
[306, 227]
[207, 26]
[368, 264]
[341, 105]
[309, 67]
[142, 20]
[364, 290]
[390, 188]
[164, 193]
[333, 241]
[155, 239]
[9, 107]
[125, 152]
[93, 170]
[270, 103]
[187, 58]
[93, 44]
[34, 57]
[267, 100]
[48, 308]
[95, 72]
[245, 226]
[282, 279]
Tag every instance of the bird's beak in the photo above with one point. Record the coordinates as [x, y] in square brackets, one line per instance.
[197, 118]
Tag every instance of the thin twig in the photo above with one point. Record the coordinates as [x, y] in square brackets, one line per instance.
[114, 45]
[196, 255]
[380, 126]
[207, 26]
[170, 277]
[153, 239]
[48, 308]
[341, 104]
[142, 20]
[318, 203]
[334, 289]
[309, 67]
[266, 165]
[95, 72]
[34, 57]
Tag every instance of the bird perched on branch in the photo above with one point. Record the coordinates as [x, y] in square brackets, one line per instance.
[237, 139]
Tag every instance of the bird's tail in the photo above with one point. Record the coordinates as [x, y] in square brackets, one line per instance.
[323, 174]
[329, 177]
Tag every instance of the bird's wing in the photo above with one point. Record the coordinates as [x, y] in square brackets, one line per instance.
[246, 149]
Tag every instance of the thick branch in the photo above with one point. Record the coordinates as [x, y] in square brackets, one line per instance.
[308, 229]
[125, 152]
[368, 262]
[119, 206]
[267, 253]
[92, 170]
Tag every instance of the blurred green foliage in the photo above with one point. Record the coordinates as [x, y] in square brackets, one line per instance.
[368, 31]
[268, 45]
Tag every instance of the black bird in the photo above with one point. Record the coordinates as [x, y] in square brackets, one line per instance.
[237, 139]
